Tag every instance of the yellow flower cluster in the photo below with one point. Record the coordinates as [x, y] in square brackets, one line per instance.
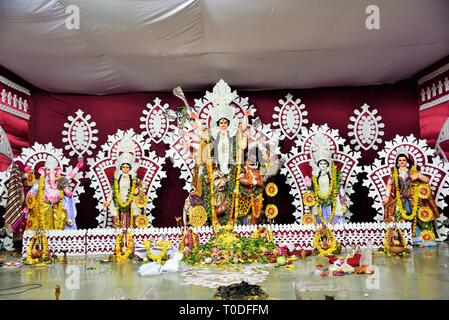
[271, 189]
[308, 219]
[271, 211]
[427, 235]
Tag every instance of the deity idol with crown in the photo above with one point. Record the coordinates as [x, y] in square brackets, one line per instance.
[326, 196]
[126, 199]
[223, 172]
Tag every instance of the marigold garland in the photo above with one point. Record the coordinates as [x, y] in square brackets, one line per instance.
[164, 245]
[271, 211]
[317, 241]
[120, 206]
[29, 258]
[308, 219]
[198, 216]
[427, 235]
[142, 221]
[271, 189]
[31, 201]
[123, 256]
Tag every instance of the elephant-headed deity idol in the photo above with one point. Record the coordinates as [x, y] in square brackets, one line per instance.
[49, 203]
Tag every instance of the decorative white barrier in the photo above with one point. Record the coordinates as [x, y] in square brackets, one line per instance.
[102, 241]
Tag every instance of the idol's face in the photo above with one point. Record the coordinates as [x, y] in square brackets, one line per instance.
[126, 168]
[223, 123]
[402, 162]
[323, 165]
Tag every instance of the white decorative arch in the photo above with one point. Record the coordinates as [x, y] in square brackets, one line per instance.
[428, 164]
[103, 165]
[297, 167]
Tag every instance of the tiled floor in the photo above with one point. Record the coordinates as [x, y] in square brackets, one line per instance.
[423, 274]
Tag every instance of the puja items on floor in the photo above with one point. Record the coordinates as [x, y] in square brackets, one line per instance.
[227, 247]
[241, 291]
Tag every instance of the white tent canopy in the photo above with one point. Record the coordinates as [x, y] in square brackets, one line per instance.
[155, 45]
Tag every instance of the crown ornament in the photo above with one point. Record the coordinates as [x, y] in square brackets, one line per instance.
[221, 98]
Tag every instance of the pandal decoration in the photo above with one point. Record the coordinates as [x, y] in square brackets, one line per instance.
[198, 216]
[123, 256]
[142, 221]
[308, 219]
[33, 255]
[162, 244]
[398, 245]
[331, 242]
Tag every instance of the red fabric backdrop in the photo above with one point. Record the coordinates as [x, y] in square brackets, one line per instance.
[396, 104]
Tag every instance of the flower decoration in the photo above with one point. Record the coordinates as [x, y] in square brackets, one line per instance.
[31, 179]
[163, 245]
[142, 221]
[309, 199]
[30, 201]
[263, 233]
[308, 219]
[141, 200]
[198, 216]
[424, 191]
[271, 189]
[427, 235]
[425, 214]
[271, 211]
[329, 246]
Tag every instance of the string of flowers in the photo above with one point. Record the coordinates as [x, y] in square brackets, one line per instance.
[211, 183]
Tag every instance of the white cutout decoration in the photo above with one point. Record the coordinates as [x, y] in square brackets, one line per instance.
[155, 120]
[290, 117]
[297, 167]
[365, 129]
[80, 134]
[103, 165]
[427, 163]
